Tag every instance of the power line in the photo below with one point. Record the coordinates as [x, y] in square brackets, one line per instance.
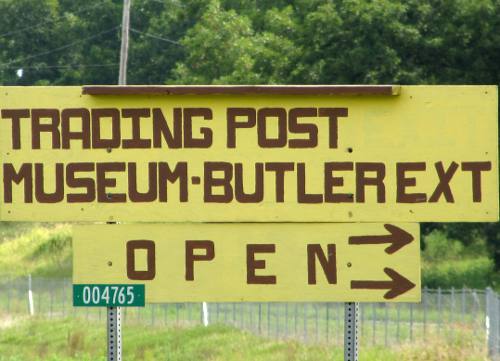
[61, 47]
[154, 36]
[48, 21]
[169, 3]
[64, 66]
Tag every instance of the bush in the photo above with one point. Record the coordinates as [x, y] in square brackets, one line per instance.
[470, 273]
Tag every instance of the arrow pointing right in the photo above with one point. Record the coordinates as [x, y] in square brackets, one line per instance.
[396, 286]
[397, 237]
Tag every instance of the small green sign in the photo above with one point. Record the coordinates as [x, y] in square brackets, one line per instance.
[114, 295]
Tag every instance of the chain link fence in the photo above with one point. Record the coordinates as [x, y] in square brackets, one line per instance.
[450, 314]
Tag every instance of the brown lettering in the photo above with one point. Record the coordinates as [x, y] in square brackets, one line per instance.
[210, 182]
[53, 127]
[136, 142]
[233, 124]
[165, 174]
[310, 129]
[148, 274]
[97, 141]
[103, 183]
[40, 194]
[331, 181]
[10, 176]
[327, 262]
[161, 128]
[253, 264]
[476, 168]
[209, 255]
[239, 193]
[15, 115]
[333, 114]
[362, 181]
[279, 169]
[302, 196]
[74, 182]
[133, 192]
[402, 182]
[67, 134]
[443, 188]
[189, 140]
[262, 116]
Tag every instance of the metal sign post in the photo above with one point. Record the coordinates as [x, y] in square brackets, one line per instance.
[351, 336]
[114, 334]
[114, 313]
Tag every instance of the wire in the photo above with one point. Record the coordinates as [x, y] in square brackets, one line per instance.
[154, 36]
[169, 3]
[61, 47]
[64, 66]
[48, 22]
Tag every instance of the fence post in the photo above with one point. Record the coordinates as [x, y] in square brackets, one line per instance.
[440, 315]
[411, 322]
[397, 322]
[374, 323]
[51, 293]
[277, 330]
[305, 321]
[452, 311]
[327, 322]
[30, 297]
[295, 318]
[386, 325]
[337, 314]
[316, 321]
[9, 285]
[463, 305]
[260, 318]
[286, 320]
[205, 314]
[424, 301]
[492, 322]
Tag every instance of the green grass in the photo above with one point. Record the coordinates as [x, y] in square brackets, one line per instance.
[65, 340]
[42, 250]
[10, 230]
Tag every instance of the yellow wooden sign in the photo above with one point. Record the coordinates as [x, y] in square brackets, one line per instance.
[253, 262]
[427, 154]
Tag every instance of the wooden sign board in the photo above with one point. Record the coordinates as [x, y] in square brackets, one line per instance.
[253, 262]
[294, 154]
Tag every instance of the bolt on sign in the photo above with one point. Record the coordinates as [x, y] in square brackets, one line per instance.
[253, 262]
[268, 154]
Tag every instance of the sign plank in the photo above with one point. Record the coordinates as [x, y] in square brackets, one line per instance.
[427, 154]
[253, 262]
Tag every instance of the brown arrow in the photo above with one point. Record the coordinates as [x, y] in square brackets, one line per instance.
[396, 286]
[397, 237]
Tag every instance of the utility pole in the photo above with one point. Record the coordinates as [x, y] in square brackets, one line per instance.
[122, 79]
[114, 322]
